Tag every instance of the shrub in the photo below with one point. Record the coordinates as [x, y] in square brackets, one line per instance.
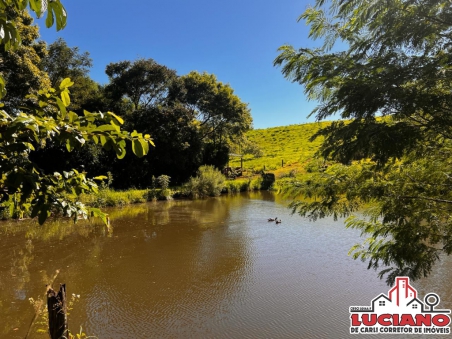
[208, 182]
[6, 210]
[267, 180]
[163, 181]
[165, 194]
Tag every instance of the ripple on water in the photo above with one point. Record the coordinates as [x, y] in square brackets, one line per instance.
[218, 269]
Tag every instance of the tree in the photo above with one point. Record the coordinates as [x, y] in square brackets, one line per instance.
[144, 82]
[178, 152]
[21, 67]
[222, 116]
[392, 85]
[192, 119]
[11, 28]
[45, 118]
[63, 62]
[139, 90]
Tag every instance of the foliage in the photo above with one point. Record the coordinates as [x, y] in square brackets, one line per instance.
[63, 62]
[178, 152]
[397, 66]
[249, 147]
[107, 197]
[20, 67]
[268, 179]
[45, 118]
[208, 182]
[163, 181]
[215, 155]
[144, 82]
[11, 28]
[191, 119]
[221, 115]
[152, 193]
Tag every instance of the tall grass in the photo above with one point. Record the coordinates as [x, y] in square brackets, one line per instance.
[109, 197]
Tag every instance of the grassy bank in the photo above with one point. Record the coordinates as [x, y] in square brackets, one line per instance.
[110, 198]
[284, 149]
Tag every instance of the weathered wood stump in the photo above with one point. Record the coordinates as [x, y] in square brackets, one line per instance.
[57, 308]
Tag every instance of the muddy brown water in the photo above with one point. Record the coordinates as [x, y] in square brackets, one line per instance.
[212, 268]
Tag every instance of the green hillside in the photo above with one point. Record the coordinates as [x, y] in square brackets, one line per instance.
[286, 143]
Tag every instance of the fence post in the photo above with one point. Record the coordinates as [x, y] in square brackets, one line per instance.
[57, 308]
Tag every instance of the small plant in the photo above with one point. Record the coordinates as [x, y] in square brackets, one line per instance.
[106, 184]
[151, 194]
[163, 181]
[42, 320]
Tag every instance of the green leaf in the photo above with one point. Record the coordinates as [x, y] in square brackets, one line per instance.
[30, 146]
[70, 144]
[59, 12]
[105, 128]
[72, 117]
[66, 83]
[137, 148]
[145, 146]
[120, 149]
[103, 140]
[49, 19]
[61, 107]
[36, 6]
[65, 98]
[118, 118]
[95, 212]
[2, 87]
[117, 127]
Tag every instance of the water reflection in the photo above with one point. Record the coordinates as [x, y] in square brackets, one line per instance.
[181, 269]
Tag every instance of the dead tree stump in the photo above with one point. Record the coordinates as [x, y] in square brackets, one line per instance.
[57, 308]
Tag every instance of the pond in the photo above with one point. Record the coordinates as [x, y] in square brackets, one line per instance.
[213, 268]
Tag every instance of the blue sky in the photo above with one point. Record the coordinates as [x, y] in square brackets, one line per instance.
[237, 40]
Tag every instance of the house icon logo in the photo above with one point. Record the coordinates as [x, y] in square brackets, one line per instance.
[400, 312]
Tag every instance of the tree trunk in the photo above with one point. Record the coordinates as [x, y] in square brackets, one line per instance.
[57, 308]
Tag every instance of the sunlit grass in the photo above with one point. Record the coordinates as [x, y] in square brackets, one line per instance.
[109, 197]
[286, 149]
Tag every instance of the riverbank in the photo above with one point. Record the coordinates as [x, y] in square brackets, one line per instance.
[108, 197]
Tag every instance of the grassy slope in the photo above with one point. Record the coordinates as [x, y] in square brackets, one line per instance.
[288, 143]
